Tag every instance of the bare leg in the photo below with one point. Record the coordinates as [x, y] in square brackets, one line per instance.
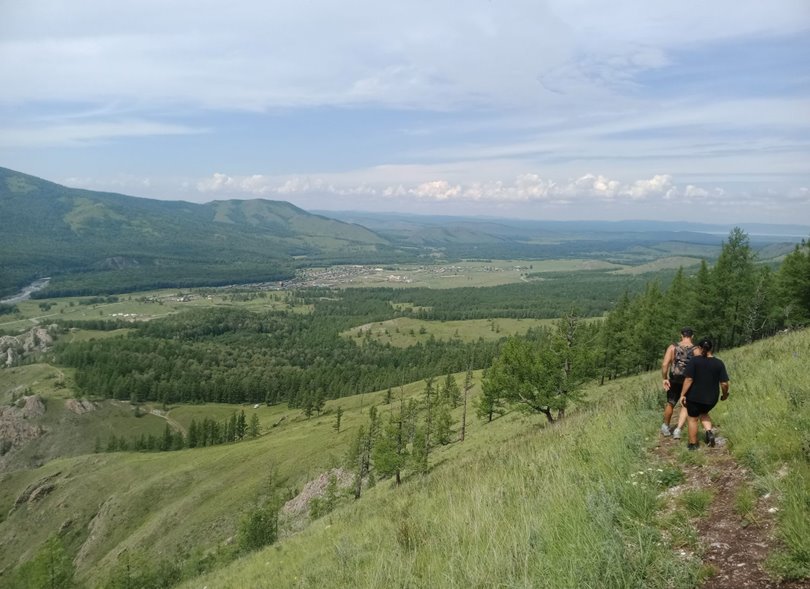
[706, 421]
[682, 417]
[667, 413]
[693, 429]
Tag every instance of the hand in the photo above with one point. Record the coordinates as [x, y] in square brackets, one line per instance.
[683, 401]
[666, 384]
[724, 396]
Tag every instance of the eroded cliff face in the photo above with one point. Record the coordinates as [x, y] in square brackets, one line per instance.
[15, 347]
[18, 424]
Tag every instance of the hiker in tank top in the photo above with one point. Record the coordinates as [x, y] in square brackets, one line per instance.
[706, 377]
[676, 358]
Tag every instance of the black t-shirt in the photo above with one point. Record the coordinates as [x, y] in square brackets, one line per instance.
[706, 374]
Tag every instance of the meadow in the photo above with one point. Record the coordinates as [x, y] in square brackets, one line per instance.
[516, 504]
[520, 505]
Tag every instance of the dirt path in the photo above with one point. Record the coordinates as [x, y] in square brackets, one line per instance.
[734, 546]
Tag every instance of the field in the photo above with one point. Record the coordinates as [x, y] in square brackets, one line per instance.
[404, 331]
[144, 306]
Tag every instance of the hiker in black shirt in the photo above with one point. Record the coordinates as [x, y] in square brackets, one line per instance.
[706, 377]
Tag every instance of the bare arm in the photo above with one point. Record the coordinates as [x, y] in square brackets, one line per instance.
[724, 389]
[669, 356]
[687, 384]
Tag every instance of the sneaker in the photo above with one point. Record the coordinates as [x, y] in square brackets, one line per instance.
[710, 438]
[664, 429]
[692, 447]
[676, 433]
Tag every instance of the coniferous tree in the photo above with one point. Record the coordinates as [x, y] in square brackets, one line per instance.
[193, 435]
[51, 567]
[733, 288]
[491, 401]
[241, 425]
[391, 450]
[793, 286]
[443, 422]
[338, 417]
[450, 391]
[167, 440]
[254, 426]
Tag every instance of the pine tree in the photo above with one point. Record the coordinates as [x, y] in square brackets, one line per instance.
[193, 435]
[241, 425]
[167, 440]
[450, 391]
[51, 567]
[468, 384]
[254, 426]
[443, 422]
[338, 417]
[733, 288]
[491, 401]
[793, 286]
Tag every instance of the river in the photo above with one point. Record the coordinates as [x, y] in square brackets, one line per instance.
[26, 293]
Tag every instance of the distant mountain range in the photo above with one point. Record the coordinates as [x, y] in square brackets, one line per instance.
[98, 242]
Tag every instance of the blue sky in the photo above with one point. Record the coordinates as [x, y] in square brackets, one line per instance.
[546, 109]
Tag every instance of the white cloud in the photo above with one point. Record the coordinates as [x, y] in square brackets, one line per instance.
[257, 55]
[525, 188]
[85, 133]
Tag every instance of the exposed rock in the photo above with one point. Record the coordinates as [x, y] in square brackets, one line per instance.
[316, 489]
[40, 492]
[36, 339]
[16, 428]
[36, 490]
[80, 406]
[33, 406]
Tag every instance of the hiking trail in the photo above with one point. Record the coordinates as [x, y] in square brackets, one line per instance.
[733, 546]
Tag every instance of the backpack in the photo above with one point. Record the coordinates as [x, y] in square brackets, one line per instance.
[682, 356]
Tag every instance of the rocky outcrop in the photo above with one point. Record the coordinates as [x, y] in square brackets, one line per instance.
[80, 406]
[316, 489]
[36, 339]
[36, 490]
[16, 427]
[32, 406]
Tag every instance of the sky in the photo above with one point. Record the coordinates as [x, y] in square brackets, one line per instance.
[680, 110]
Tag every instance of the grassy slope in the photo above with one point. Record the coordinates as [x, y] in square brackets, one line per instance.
[519, 506]
[515, 505]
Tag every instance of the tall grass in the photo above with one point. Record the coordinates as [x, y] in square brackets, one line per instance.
[767, 421]
[553, 507]
[561, 506]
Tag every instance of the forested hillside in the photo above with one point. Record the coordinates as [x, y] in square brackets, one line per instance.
[103, 243]
[93, 242]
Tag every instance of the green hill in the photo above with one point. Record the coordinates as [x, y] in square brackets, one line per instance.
[516, 504]
[91, 242]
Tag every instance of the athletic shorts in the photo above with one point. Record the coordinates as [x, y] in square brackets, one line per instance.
[694, 409]
[674, 392]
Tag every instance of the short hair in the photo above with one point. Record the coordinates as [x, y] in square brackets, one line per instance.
[687, 331]
[705, 344]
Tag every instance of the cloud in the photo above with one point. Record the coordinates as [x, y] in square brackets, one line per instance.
[256, 55]
[85, 133]
[525, 188]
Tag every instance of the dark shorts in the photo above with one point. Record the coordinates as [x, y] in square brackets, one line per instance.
[694, 409]
[674, 392]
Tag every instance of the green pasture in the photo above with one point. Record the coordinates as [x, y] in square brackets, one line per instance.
[405, 331]
[471, 273]
[668, 263]
[141, 306]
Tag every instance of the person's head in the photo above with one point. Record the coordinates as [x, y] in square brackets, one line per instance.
[705, 346]
[687, 333]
